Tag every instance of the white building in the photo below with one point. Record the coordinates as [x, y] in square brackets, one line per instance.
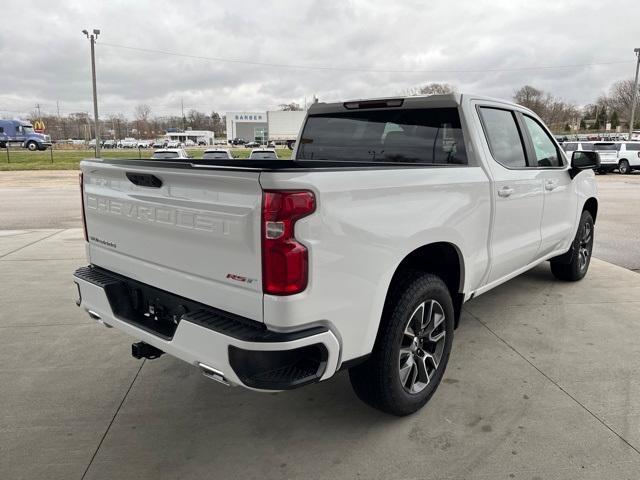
[250, 126]
[199, 137]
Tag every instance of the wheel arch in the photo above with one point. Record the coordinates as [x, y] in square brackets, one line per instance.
[591, 206]
[443, 259]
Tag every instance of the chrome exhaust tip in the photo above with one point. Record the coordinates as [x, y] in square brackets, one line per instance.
[213, 374]
[98, 318]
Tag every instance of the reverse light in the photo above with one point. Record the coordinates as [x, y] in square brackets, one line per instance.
[84, 217]
[285, 261]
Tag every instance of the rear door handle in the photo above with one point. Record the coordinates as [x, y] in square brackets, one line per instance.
[505, 192]
[550, 185]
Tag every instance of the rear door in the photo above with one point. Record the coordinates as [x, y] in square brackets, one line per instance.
[560, 200]
[518, 197]
[192, 231]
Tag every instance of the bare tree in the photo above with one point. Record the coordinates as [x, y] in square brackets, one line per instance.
[555, 113]
[142, 112]
[620, 98]
[290, 107]
[431, 89]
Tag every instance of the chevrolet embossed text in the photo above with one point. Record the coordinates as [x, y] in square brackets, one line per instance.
[188, 219]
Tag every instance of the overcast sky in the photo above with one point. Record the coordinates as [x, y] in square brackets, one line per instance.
[478, 46]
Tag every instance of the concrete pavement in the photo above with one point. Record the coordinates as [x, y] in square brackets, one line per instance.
[543, 383]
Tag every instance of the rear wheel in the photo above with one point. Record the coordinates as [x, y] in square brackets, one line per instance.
[412, 348]
[575, 266]
[623, 167]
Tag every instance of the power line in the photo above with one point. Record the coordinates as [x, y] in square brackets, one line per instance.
[356, 69]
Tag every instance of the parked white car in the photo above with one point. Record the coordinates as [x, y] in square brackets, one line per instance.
[144, 143]
[628, 157]
[263, 154]
[174, 144]
[217, 154]
[128, 142]
[170, 154]
[357, 254]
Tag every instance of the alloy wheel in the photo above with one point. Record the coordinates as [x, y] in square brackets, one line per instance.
[584, 250]
[422, 346]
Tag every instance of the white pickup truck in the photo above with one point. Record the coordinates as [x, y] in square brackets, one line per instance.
[357, 254]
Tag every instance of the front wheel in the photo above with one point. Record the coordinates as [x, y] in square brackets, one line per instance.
[412, 348]
[623, 167]
[32, 146]
[574, 265]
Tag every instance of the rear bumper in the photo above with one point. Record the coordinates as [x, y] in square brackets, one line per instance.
[227, 348]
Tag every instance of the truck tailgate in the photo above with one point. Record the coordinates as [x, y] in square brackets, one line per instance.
[196, 235]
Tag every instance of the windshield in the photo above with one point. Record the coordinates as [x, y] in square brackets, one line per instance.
[215, 156]
[27, 129]
[431, 136]
[263, 156]
[165, 155]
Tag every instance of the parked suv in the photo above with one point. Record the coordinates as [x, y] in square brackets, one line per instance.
[570, 147]
[357, 254]
[628, 157]
[608, 156]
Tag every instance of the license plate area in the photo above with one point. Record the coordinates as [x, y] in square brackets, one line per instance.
[149, 308]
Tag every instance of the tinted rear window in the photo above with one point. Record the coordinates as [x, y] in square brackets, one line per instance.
[425, 136]
[215, 156]
[165, 155]
[263, 156]
[635, 147]
[606, 146]
[568, 147]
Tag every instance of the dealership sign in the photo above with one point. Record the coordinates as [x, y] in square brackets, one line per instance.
[249, 117]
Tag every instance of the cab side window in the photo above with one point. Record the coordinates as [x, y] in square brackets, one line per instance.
[503, 137]
[546, 152]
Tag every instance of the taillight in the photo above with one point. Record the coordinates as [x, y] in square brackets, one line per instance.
[285, 261]
[84, 218]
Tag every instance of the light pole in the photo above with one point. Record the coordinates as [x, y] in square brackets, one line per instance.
[92, 39]
[635, 93]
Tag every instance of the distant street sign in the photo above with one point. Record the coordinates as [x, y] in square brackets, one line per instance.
[39, 126]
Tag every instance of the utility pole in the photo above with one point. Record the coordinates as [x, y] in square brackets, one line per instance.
[182, 108]
[38, 109]
[635, 93]
[92, 39]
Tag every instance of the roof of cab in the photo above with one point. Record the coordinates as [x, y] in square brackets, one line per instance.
[417, 101]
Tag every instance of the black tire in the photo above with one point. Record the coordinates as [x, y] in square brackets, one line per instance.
[573, 265]
[31, 146]
[3, 145]
[623, 167]
[377, 381]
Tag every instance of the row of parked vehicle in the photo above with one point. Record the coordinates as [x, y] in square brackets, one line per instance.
[130, 142]
[621, 156]
[237, 142]
[213, 154]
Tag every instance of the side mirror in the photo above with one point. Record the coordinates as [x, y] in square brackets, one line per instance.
[584, 160]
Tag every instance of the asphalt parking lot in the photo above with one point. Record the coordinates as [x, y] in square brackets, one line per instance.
[543, 380]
